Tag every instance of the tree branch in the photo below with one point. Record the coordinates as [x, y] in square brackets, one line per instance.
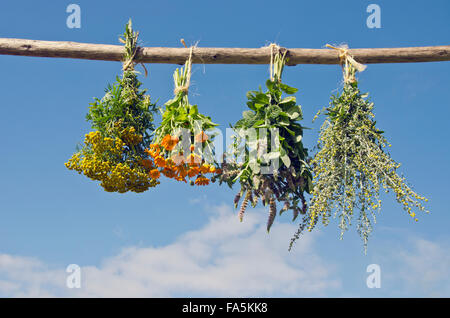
[206, 55]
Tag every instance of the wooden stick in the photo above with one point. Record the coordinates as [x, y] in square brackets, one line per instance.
[218, 55]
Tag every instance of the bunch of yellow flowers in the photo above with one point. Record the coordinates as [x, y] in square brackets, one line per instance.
[104, 159]
[122, 120]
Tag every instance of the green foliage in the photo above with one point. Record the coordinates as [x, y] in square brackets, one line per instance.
[125, 104]
[270, 112]
[122, 122]
[123, 107]
[179, 114]
[352, 165]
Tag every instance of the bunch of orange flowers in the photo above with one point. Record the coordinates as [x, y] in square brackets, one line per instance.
[177, 165]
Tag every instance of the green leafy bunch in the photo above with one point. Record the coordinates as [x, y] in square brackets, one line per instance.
[122, 123]
[270, 112]
[352, 165]
[125, 104]
[179, 115]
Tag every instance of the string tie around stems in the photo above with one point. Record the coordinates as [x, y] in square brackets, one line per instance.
[348, 63]
[131, 49]
[185, 88]
[277, 61]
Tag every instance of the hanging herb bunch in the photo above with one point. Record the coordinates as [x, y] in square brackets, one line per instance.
[114, 153]
[270, 113]
[352, 164]
[182, 147]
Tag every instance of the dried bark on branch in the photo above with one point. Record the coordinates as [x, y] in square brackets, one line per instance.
[208, 55]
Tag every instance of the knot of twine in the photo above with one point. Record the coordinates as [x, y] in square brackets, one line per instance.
[346, 60]
[128, 64]
[185, 87]
[130, 45]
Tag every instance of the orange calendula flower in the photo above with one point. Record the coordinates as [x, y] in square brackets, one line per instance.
[165, 140]
[169, 142]
[204, 168]
[201, 137]
[182, 171]
[192, 147]
[169, 173]
[149, 152]
[193, 171]
[212, 169]
[218, 171]
[169, 162]
[153, 151]
[180, 178]
[155, 174]
[201, 181]
[147, 163]
[160, 161]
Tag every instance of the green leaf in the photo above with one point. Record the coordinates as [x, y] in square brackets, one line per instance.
[286, 160]
[293, 115]
[288, 100]
[294, 112]
[258, 106]
[248, 114]
[288, 89]
[283, 122]
[251, 105]
[262, 98]
[259, 124]
[270, 85]
[181, 117]
[251, 95]
[193, 110]
[291, 132]
[273, 111]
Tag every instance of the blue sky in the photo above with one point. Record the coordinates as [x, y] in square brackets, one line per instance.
[175, 240]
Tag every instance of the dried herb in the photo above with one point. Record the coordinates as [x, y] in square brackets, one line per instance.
[258, 174]
[352, 165]
[123, 122]
[183, 144]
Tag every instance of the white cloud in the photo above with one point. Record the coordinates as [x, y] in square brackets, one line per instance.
[424, 268]
[224, 258]
[28, 277]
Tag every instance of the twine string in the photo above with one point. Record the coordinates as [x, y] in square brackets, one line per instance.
[130, 40]
[128, 64]
[348, 63]
[185, 88]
